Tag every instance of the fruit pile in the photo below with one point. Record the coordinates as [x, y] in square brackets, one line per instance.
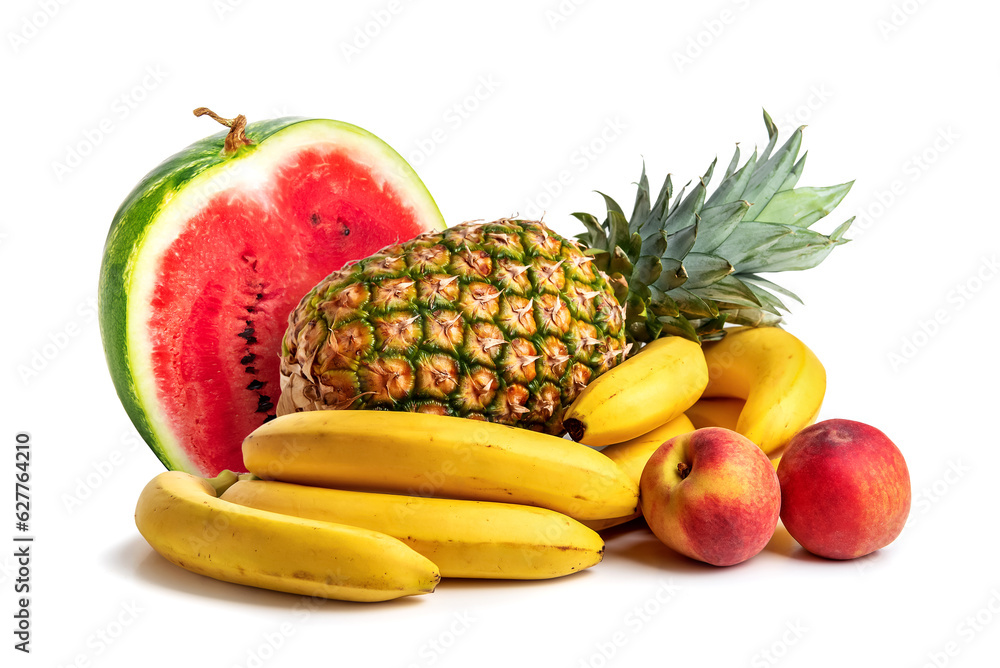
[401, 418]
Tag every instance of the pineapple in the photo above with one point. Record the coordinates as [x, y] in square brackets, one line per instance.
[507, 321]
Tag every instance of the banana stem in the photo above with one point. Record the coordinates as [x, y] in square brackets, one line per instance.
[223, 481]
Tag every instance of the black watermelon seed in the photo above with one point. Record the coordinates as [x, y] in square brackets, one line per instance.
[251, 340]
[255, 384]
[247, 359]
[264, 407]
[246, 333]
[269, 418]
[260, 295]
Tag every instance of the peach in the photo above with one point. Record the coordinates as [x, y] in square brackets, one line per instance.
[712, 495]
[845, 489]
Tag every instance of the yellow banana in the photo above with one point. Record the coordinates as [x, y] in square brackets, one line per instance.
[721, 412]
[781, 380]
[466, 539]
[648, 390]
[182, 518]
[433, 455]
[632, 456]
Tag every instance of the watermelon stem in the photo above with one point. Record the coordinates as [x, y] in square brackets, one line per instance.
[237, 127]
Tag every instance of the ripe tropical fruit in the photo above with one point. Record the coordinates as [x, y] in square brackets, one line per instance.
[782, 382]
[182, 518]
[717, 412]
[211, 251]
[465, 539]
[507, 321]
[433, 455]
[647, 391]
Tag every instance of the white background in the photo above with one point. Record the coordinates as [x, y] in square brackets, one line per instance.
[900, 96]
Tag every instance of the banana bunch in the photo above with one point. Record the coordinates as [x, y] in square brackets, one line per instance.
[759, 381]
[182, 517]
[465, 539]
[419, 454]
[342, 508]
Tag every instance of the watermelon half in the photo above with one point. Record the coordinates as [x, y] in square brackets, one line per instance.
[209, 254]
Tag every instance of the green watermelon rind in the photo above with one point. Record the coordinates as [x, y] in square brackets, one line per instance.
[154, 205]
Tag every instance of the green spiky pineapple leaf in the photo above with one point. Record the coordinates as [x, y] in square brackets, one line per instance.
[693, 264]
[803, 206]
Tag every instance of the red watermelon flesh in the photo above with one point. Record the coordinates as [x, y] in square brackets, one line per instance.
[209, 305]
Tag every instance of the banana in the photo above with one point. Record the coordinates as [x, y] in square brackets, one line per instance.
[632, 456]
[781, 380]
[721, 412]
[182, 518]
[466, 539]
[432, 455]
[646, 391]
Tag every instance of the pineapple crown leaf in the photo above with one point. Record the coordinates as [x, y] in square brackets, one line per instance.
[692, 261]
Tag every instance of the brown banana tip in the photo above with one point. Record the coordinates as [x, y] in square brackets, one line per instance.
[575, 429]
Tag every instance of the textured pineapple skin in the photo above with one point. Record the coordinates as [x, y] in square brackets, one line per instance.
[503, 321]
